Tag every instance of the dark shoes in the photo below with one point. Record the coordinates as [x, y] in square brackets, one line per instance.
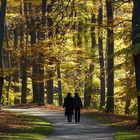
[77, 121]
[69, 118]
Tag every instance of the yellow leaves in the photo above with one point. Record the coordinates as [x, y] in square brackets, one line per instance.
[68, 65]
[14, 2]
[90, 5]
[12, 15]
[13, 6]
[121, 18]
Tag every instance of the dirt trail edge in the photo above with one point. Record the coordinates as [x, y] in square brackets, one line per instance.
[87, 129]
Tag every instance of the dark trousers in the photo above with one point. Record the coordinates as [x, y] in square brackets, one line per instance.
[69, 117]
[77, 114]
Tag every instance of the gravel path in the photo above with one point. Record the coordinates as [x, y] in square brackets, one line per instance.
[87, 129]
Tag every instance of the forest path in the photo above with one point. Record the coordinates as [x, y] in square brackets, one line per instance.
[87, 129]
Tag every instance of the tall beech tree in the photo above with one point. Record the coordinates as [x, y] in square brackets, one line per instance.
[89, 75]
[23, 66]
[78, 44]
[50, 89]
[2, 21]
[110, 59]
[23, 62]
[101, 54]
[41, 37]
[136, 45]
[15, 63]
[33, 36]
[8, 59]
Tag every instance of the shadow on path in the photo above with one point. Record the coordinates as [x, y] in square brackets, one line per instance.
[87, 129]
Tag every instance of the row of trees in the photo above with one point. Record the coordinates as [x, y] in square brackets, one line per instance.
[52, 47]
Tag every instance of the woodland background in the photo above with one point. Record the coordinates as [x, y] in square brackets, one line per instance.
[52, 47]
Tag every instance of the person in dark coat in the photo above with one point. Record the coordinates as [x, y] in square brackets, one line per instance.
[77, 107]
[68, 105]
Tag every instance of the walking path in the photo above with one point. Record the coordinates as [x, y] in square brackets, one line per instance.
[87, 129]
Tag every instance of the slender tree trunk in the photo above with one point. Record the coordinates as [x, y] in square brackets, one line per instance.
[41, 37]
[93, 38]
[129, 84]
[15, 63]
[101, 55]
[88, 86]
[31, 27]
[110, 59]
[41, 85]
[79, 35]
[50, 89]
[24, 82]
[9, 78]
[136, 42]
[23, 62]
[88, 80]
[23, 66]
[78, 43]
[16, 35]
[59, 84]
[2, 20]
[127, 105]
[38, 65]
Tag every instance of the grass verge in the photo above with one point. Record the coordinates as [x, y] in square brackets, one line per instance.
[15, 126]
[126, 135]
[124, 126]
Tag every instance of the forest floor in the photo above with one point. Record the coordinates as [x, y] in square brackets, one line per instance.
[125, 126]
[105, 127]
[17, 126]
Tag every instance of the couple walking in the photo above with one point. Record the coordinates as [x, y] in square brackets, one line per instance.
[72, 104]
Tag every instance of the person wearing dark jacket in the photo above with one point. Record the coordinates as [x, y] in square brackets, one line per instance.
[68, 105]
[77, 107]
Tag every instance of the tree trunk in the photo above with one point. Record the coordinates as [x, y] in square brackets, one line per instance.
[15, 63]
[101, 55]
[88, 80]
[59, 84]
[136, 42]
[2, 20]
[88, 86]
[41, 37]
[110, 59]
[23, 68]
[31, 27]
[50, 89]
[127, 105]
[129, 85]
[16, 35]
[93, 38]
[78, 43]
[24, 81]
[38, 64]
[8, 56]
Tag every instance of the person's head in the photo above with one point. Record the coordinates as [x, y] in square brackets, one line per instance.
[69, 94]
[76, 93]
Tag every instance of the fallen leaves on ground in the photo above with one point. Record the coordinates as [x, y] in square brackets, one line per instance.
[43, 106]
[120, 122]
[10, 122]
